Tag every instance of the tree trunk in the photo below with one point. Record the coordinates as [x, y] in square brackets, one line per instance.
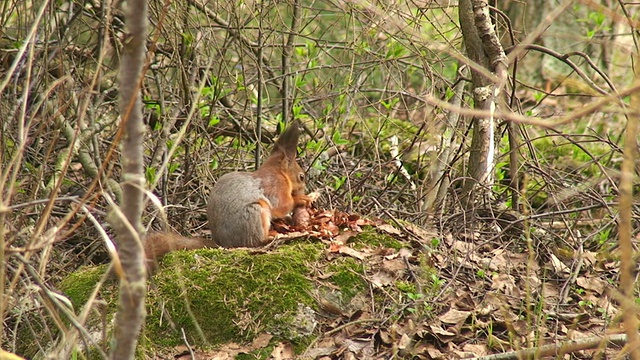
[485, 50]
[127, 222]
[626, 202]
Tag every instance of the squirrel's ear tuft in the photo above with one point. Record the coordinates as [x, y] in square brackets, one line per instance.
[288, 140]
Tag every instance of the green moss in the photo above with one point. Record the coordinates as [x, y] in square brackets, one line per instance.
[371, 238]
[303, 250]
[347, 276]
[79, 285]
[43, 331]
[406, 287]
[218, 295]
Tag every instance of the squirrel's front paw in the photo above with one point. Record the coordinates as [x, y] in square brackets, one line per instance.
[306, 200]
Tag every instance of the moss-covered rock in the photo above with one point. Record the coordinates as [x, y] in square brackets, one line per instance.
[79, 285]
[219, 295]
[39, 331]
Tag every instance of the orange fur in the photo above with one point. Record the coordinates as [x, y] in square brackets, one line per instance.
[158, 244]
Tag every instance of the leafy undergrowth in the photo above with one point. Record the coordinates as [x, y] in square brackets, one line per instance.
[355, 288]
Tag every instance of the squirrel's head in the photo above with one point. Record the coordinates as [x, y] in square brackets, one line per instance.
[285, 151]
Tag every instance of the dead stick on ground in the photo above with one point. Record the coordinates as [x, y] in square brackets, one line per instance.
[561, 348]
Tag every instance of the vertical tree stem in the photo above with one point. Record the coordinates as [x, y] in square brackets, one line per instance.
[128, 226]
[628, 265]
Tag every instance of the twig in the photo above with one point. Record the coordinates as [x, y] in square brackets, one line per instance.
[184, 337]
[255, 48]
[565, 59]
[531, 120]
[566, 347]
[335, 330]
[287, 49]
[395, 155]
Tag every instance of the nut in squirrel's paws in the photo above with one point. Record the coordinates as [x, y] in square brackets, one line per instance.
[301, 217]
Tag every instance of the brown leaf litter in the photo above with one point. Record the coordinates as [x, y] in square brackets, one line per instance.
[486, 297]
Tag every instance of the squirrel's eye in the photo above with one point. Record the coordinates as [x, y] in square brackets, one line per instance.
[301, 176]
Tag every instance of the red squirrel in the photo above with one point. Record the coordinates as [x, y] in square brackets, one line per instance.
[242, 204]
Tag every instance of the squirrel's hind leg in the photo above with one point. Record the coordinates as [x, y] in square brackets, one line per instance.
[246, 227]
[265, 219]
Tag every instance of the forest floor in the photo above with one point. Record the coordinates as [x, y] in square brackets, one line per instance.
[480, 288]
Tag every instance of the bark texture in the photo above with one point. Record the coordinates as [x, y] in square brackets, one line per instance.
[627, 254]
[127, 222]
[483, 48]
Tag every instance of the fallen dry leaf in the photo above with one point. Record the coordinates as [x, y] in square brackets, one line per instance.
[344, 237]
[381, 279]
[283, 351]
[434, 353]
[405, 342]
[505, 284]
[558, 266]
[476, 349]
[454, 316]
[384, 337]
[261, 341]
[352, 252]
[355, 345]
[395, 266]
[441, 334]
[592, 283]
[389, 229]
